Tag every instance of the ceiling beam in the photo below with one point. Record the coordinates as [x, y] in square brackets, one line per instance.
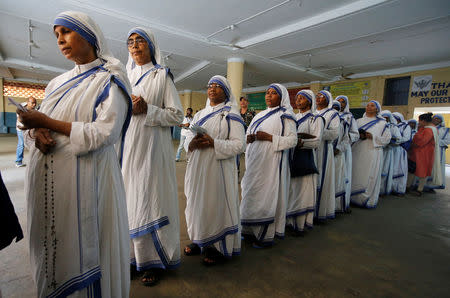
[28, 80]
[29, 66]
[6, 73]
[296, 67]
[193, 70]
[401, 70]
[173, 31]
[350, 42]
[138, 20]
[185, 34]
[316, 20]
[301, 68]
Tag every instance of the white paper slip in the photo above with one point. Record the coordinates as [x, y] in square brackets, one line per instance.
[18, 105]
[197, 129]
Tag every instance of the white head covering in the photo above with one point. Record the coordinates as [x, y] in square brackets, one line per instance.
[413, 121]
[223, 82]
[347, 106]
[284, 94]
[336, 103]
[439, 116]
[155, 53]
[387, 113]
[89, 30]
[399, 117]
[328, 96]
[311, 98]
[377, 104]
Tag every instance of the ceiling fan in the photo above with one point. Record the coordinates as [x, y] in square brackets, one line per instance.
[233, 44]
[31, 43]
[345, 76]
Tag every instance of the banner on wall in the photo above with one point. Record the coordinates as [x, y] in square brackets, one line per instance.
[422, 83]
[257, 101]
[429, 91]
[357, 92]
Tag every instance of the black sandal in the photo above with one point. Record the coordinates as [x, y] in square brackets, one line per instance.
[212, 257]
[194, 250]
[150, 278]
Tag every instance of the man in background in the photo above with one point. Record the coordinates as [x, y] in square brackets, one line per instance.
[246, 114]
[184, 129]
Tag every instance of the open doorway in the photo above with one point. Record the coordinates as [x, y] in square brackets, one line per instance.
[445, 112]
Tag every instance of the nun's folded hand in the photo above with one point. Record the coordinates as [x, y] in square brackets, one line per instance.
[139, 105]
[193, 145]
[263, 136]
[205, 141]
[251, 138]
[43, 140]
[201, 141]
[32, 119]
[369, 135]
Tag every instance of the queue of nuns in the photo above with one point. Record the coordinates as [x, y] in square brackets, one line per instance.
[101, 185]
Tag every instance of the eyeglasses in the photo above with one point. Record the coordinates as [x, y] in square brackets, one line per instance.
[138, 40]
[213, 86]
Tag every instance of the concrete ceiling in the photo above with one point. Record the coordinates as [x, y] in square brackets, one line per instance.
[292, 41]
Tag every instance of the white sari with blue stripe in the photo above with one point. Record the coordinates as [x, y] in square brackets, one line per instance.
[400, 173]
[77, 221]
[353, 136]
[303, 190]
[444, 141]
[388, 166]
[340, 168]
[265, 185]
[211, 186]
[325, 207]
[367, 161]
[149, 171]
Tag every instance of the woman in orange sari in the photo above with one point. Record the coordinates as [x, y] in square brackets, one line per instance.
[421, 153]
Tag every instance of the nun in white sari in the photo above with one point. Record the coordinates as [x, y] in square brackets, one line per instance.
[211, 185]
[265, 185]
[339, 162]
[352, 136]
[148, 167]
[326, 201]
[368, 156]
[77, 220]
[387, 172]
[400, 174]
[413, 124]
[303, 189]
[444, 141]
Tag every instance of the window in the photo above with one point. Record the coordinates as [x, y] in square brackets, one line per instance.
[357, 113]
[396, 91]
